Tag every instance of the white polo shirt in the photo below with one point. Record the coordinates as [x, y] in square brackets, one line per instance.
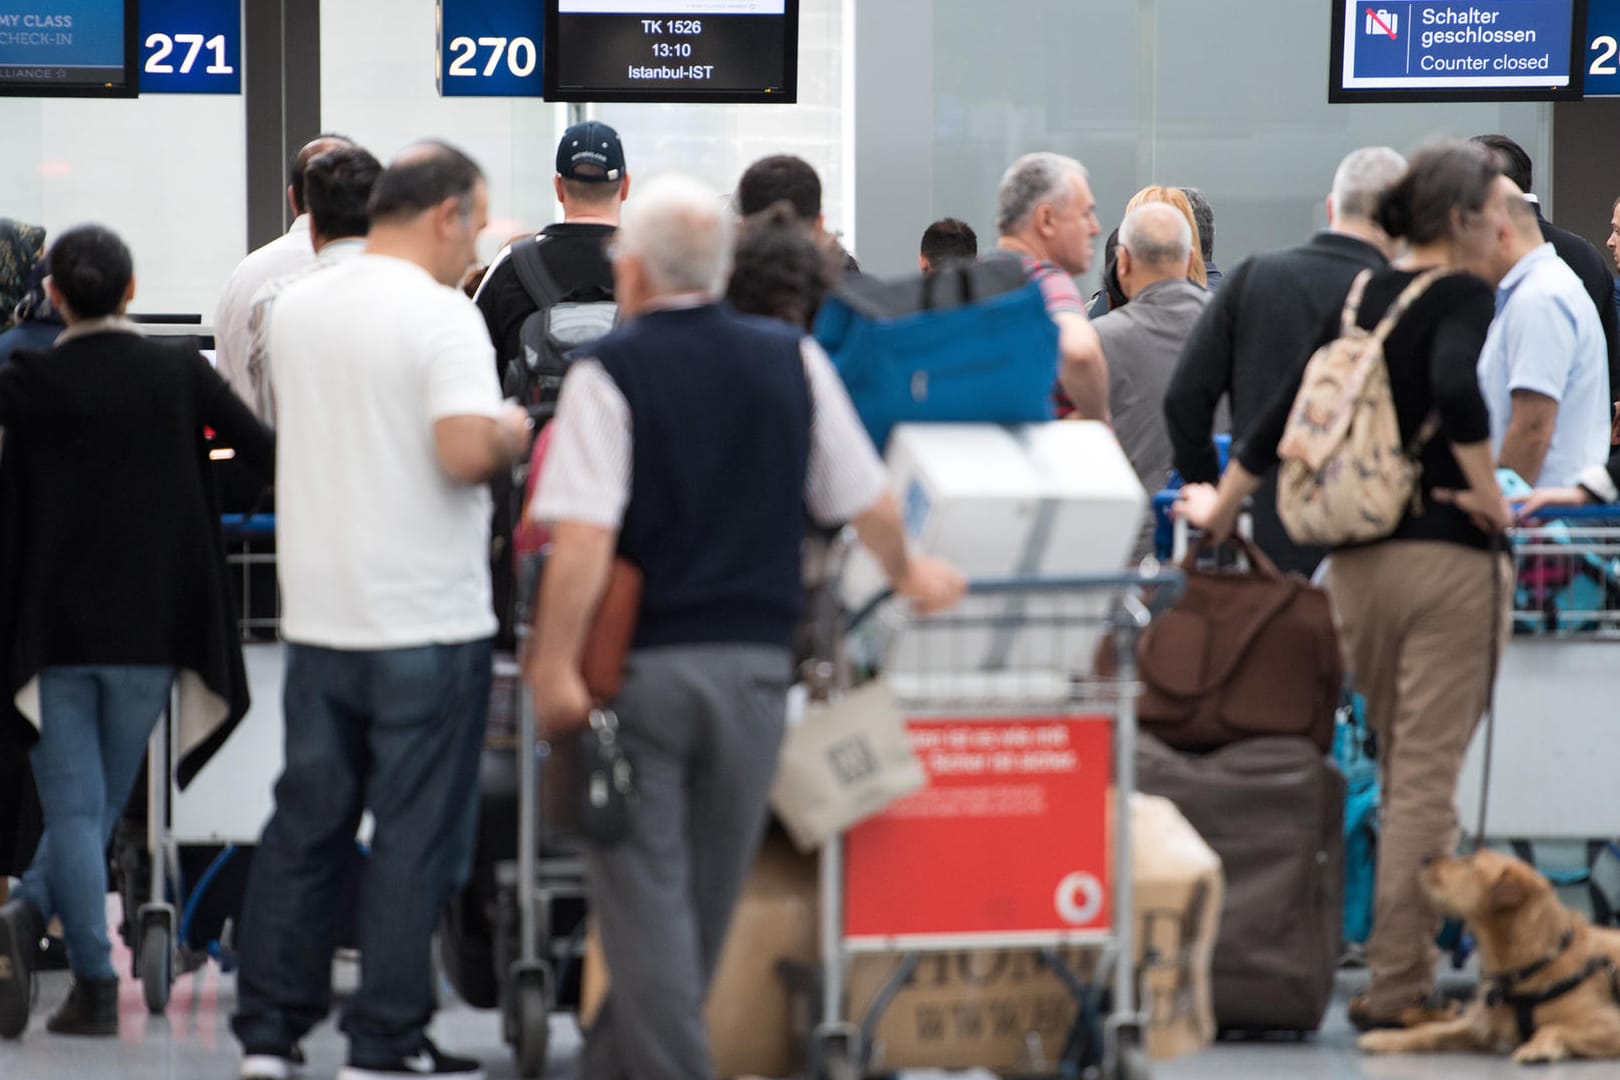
[378, 547]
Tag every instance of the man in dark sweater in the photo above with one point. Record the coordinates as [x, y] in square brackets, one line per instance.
[694, 443]
[1263, 324]
[1577, 251]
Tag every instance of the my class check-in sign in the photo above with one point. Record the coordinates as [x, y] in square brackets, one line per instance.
[1441, 45]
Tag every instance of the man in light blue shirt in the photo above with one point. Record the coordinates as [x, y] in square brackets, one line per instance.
[1544, 368]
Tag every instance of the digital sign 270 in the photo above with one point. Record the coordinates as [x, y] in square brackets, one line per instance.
[490, 48]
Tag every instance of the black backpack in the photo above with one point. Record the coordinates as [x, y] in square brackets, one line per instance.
[560, 324]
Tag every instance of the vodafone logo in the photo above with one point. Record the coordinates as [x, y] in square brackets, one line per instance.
[1079, 898]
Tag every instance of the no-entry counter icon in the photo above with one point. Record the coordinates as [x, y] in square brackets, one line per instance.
[1457, 45]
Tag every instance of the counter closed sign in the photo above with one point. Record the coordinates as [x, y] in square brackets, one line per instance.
[1438, 45]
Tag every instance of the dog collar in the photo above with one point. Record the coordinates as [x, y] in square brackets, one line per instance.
[1506, 980]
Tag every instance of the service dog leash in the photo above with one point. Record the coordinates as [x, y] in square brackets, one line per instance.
[1478, 840]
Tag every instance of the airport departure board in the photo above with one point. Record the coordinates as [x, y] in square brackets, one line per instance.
[672, 50]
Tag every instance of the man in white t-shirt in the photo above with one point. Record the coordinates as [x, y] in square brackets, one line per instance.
[391, 423]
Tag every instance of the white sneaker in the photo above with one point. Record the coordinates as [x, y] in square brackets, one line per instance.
[273, 1066]
[428, 1061]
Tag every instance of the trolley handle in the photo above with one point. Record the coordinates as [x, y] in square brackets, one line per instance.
[1598, 512]
[1167, 585]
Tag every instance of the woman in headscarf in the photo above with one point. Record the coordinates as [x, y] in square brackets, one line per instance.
[22, 247]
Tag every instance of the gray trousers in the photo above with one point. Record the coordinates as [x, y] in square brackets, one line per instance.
[703, 726]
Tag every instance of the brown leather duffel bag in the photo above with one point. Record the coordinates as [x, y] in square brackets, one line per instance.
[1242, 654]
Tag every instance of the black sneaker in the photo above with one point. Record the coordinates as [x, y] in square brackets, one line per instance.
[429, 1060]
[263, 1064]
[20, 931]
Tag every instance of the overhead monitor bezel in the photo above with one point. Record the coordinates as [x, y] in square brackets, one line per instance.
[788, 96]
[130, 88]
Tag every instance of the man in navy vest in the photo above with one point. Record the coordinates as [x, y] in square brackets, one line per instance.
[697, 443]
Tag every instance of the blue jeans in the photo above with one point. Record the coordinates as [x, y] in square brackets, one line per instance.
[94, 724]
[398, 732]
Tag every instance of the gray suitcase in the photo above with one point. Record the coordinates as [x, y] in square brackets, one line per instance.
[1273, 810]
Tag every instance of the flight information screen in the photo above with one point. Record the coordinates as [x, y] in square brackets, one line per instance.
[672, 50]
[1481, 50]
[68, 48]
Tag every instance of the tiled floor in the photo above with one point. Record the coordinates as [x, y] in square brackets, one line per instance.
[193, 1042]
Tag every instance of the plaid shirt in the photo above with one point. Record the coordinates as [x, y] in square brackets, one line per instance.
[1062, 295]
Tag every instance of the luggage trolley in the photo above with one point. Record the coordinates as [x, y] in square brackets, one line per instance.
[1017, 738]
[1551, 767]
[206, 829]
[541, 894]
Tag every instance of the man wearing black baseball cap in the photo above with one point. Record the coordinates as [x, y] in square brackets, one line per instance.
[565, 263]
[591, 183]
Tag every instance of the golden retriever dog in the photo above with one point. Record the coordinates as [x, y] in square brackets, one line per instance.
[1531, 948]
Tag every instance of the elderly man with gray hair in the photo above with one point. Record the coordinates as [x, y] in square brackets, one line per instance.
[1266, 319]
[1048, 218]
[695, 443]
[1142, 341]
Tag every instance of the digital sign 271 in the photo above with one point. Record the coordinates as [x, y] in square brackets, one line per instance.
[191, 46]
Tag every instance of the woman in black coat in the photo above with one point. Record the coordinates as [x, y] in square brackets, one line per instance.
[112, 595]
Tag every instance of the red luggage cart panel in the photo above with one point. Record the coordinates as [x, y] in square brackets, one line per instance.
[1009, 838]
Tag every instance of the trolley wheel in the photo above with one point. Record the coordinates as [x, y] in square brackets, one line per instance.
[838, 1065]
[835, 1054]
[156, 962]
[1131, 1064]
[533, 1028]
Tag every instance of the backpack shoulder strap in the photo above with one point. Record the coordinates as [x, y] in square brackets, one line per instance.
[530, 266]
[1352, 303]
[1408, 297]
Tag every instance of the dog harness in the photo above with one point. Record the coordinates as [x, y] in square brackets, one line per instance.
[1500, 987]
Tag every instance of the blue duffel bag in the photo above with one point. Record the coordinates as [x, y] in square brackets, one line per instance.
[971, 343]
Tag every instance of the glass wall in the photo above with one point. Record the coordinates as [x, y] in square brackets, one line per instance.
[378, 60]
[1263, 145]
[167, 172]
[1226, 95]
[717, 142]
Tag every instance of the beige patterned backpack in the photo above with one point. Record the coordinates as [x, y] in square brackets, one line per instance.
[1344, 475]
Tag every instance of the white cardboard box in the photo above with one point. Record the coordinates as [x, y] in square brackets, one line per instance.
[1034, 500]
